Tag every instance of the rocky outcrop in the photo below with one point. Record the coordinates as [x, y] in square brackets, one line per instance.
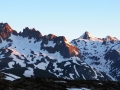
[60, 45]
[30, 33]
[87, 35]
[5, 30]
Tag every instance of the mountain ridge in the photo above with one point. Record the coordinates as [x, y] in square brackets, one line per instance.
[102, 54]
[88, 36]
[29, 53]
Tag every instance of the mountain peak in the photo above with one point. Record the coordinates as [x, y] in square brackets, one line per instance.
[27, 28]
[110, 38]
[87, 35]
[31, 33]
[5, 30]
[4, 26]
[50, 36]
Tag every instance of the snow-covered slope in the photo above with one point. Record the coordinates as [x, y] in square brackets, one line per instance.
[102, 54]
[29, 54]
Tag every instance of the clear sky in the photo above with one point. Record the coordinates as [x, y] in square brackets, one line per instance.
[70, 18]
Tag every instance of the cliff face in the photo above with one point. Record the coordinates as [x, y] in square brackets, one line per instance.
[5, 30]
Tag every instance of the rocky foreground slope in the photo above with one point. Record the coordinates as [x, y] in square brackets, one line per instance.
[57, 84]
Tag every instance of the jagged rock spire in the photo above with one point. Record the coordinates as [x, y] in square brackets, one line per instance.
[87, 35]
[110, 38]
[5, 30]
[31, 33]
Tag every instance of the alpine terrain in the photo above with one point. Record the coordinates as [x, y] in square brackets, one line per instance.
[31, 54]
[102, 54]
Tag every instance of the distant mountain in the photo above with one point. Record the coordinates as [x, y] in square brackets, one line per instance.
[87, 35]
[30, 54]
[102, 54]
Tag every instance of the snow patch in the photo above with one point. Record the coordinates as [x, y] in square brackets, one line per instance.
[76, 71]
[29, 72]
[41, 65]
[71, 76]
[50, 44]
[10, 64]
[11, 77]
[67, 63]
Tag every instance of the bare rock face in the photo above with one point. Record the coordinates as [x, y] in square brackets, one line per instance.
[31, 33]
[61, 45]
[87, 35]
[5, 30]
[50, 36]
